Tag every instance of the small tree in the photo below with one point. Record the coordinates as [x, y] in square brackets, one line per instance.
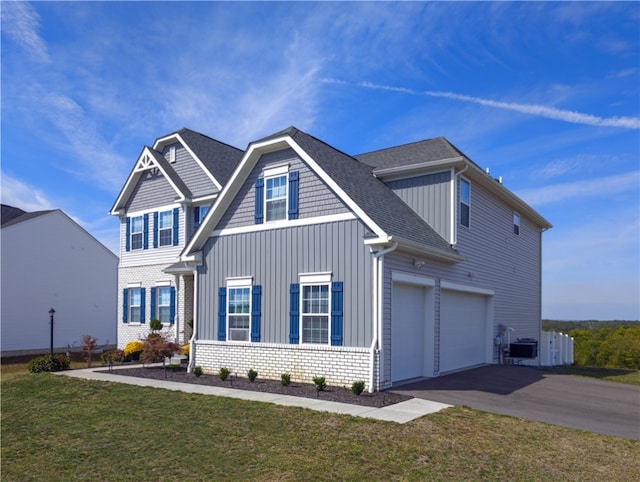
[156, 348]
[89, 343]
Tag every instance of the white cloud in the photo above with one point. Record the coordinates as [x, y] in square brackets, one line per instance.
[584, 189]
[20, 22]
[530, 109]
[24, 196]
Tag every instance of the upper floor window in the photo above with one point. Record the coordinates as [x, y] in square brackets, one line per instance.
[276, 198]
[516, 223]
[165, 228]
[465, 202]
[276, 195]
[137, 230]
[199, 214]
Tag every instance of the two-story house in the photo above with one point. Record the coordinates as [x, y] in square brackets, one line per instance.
[163, 201]
[402, 263]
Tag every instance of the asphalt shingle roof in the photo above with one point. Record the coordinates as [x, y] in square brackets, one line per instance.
[219, 158]
[11, 215]
[414, 153]
[380, 203]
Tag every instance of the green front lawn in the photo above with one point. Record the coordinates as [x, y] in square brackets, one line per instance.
[58, 428]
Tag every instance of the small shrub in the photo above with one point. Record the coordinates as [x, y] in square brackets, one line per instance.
[89, 343]
[174, 367]
[157, 348]
[110, 357]
[223, 373]
[134, 347]
[46, 363]
[285, 379]
[357, 387]
[185, 349]
[155, 325]
[252, 375]
[320, 383]
[197, 371]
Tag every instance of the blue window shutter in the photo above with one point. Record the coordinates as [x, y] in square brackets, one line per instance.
[256, 312]
[222, 314]
[176, 226]
[337, 301]
[145, 232]
[293, 194]
[152, 315]
[259, 217]
[155, 229]
[196, 218]
[294, 313]
[125, 305]
[127, 242]
[172, 305]
[143, 299]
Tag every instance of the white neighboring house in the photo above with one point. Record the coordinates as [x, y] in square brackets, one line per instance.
[49, 261]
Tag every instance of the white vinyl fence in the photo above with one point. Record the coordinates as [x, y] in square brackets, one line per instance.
[556, 349]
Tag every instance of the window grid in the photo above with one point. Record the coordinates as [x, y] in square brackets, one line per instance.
[164, 304]
[276, 198]
[135, 302]
[238, 313]
[465, 202]
[315, 314]
[165, 228]
[137, 229]
[516, 223]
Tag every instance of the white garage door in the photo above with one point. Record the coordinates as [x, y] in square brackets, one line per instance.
[408, 331]
[463, 330]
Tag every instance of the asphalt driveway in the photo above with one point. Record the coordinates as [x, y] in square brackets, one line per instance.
[534, 394]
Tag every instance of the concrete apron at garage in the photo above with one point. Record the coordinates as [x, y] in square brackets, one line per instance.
[531, 393]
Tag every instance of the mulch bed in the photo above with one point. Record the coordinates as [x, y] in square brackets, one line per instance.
[296, 389]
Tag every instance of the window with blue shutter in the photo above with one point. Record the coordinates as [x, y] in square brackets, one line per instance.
[172, 306]
[259, 201]
[125, 305]
[256, 313]
[293, 195]
[336, 313]
[222, 314]
[155, 229]
[142, 304]
[176, 221]
[152, 315]
[196, 218]
[127, 242]
[294, 313]
[145, 232]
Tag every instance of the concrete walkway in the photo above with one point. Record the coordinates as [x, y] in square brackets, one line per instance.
[400, 412]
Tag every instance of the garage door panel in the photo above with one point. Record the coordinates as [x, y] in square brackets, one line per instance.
[463, 328]
[408, 331]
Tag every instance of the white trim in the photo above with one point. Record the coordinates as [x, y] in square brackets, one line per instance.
[275, 171]
[452, 209]
[158, 209]
[414, 170]
[163, 283]
[134, 285]
[315, 278]
[239, 282]
[404, 277]
[252, 228]
[448, 285]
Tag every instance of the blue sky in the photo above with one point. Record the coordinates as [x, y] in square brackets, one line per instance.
[547, 95]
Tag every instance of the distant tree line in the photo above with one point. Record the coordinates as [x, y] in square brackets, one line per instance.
[609, 344]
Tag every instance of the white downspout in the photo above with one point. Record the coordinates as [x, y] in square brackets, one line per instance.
[377, 310]
[194, 327]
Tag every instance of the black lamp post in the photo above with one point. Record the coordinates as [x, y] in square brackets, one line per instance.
[51, 313]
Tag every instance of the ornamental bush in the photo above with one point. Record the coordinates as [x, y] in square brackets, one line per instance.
[135, 346]
[46, 363]
[185, 349]
[320, 383]
[224, 373]
[252, 375]
[197, 371]
[157, 348]
[357, 387]
[110, 357]
[285, 379]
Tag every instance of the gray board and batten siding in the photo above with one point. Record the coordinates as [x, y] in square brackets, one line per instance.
[275, 258]
[428, 195]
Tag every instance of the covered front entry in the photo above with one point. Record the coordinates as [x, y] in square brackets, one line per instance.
[465, 328]
[411, 328]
